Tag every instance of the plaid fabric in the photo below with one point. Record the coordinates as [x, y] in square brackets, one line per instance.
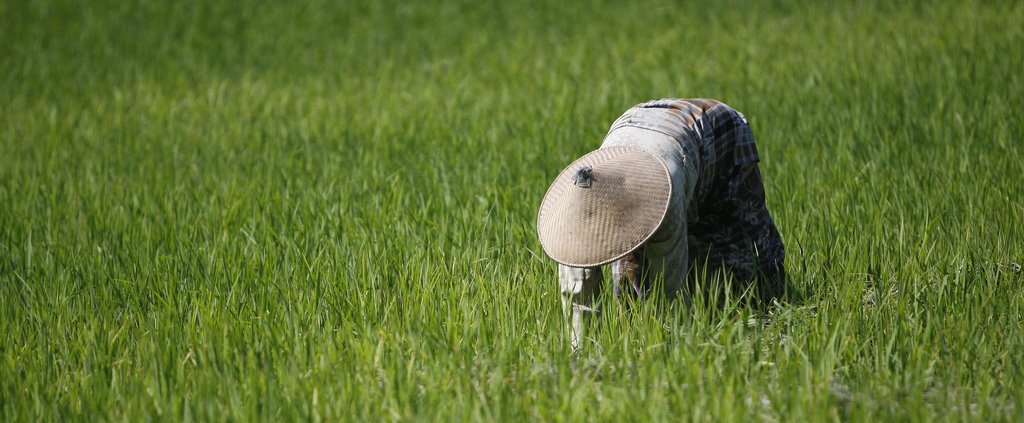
[728, 225]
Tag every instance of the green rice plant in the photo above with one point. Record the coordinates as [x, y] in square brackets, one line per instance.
[325, 211]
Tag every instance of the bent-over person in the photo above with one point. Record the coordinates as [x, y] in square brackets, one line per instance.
[672, 196]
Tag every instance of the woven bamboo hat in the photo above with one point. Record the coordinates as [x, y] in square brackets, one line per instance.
[603, 206]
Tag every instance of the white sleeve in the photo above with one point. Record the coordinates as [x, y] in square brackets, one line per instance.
[580, 288]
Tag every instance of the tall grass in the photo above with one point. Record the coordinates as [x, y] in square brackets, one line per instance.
[306, 211]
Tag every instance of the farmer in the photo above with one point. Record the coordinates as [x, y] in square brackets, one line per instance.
[672, 198]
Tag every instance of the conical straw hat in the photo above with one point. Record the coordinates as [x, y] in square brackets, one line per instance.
[603, 206]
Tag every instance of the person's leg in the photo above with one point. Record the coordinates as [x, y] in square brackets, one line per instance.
[580, 288]
[773, 281]
[768, 253]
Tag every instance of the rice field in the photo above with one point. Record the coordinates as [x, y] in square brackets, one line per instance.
[324, 211]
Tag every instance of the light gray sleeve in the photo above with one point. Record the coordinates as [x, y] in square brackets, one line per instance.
[667, 255]
[667, 252]
[580, 288]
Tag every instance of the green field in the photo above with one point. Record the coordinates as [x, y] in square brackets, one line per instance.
[325, 211]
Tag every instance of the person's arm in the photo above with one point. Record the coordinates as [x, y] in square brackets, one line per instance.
[580, 288]
[667, 256]
[667, 252]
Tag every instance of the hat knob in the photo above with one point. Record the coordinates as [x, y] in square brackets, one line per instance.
[584, 177]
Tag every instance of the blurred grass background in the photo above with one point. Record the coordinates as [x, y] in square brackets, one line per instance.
[315, 210]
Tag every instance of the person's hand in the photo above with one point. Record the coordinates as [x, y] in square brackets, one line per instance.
[627, 273]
